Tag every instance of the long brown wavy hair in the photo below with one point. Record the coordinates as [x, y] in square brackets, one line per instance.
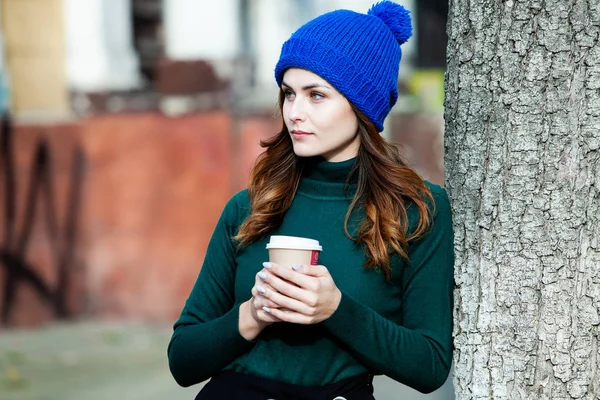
[385, 186]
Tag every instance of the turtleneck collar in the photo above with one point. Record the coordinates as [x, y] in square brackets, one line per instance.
[327, 180]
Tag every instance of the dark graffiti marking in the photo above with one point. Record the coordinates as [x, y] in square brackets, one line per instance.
[14, 244]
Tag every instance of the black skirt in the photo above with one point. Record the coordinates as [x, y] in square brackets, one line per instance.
[230, 385]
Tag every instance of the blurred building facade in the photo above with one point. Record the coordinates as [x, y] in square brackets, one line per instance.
[68, 58]
[129, 125]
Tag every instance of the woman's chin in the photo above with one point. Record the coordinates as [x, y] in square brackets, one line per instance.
[303, 152]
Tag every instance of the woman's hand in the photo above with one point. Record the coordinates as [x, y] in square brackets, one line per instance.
[259, 302]
[253, 318]
[305, 294]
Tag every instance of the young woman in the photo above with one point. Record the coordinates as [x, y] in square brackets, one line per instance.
[381, 302]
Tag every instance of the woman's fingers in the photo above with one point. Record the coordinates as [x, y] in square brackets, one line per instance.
[295, 275]
[285, 287]
[261, 314]
[259, 290]
[305, 290]
[260, 301]
[286, 303]
[290, 316]
[266, 316]
[302, 295]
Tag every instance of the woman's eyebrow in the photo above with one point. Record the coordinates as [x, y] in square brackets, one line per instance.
[308, 87]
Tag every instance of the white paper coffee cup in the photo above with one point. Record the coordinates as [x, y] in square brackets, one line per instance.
[290, 250]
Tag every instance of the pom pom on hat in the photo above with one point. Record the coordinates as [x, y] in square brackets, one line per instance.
[396, 17]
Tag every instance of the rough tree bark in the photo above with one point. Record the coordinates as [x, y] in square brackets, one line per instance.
[523, 172]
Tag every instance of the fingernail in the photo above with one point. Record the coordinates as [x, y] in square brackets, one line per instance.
[260, 289]
[267, 265]
[297, 267]
[266, 309]
[262, 275]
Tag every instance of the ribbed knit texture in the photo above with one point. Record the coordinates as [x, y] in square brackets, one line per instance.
[401, 328]
[359, 54]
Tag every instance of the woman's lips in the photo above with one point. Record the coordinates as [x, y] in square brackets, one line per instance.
[300, 134]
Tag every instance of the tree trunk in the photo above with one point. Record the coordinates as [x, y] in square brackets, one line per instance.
[523, 172]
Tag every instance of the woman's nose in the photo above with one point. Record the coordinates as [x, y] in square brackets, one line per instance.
[297, 110]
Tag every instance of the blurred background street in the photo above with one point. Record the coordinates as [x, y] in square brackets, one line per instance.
[126, 126]
[100, 360]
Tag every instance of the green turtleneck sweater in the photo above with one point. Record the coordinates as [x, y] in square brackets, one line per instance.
[401, 328]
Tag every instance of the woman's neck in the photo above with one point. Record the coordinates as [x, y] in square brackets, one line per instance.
[322, 178]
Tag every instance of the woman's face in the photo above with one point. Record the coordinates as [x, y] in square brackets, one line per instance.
[320, 120]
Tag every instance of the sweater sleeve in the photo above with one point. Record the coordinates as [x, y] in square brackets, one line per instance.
[206, 336]
[417, 352]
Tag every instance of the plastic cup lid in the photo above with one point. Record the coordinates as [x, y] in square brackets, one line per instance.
[293, 242]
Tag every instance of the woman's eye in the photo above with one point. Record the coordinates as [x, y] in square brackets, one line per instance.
[287, 94]
[317, 96]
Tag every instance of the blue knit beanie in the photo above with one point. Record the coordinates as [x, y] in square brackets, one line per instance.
[359, 54]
